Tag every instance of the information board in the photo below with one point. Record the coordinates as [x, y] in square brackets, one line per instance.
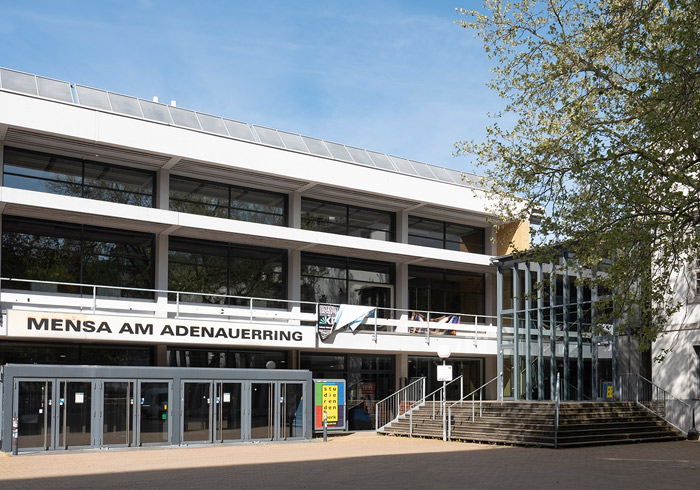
[329, 396]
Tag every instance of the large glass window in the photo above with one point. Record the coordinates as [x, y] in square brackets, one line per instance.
[224, 358]
[227, 201]
[64, 252]
[74, 354]
[199, 266]
[446, 291]
[347, 220]
[450, 236]
[338, 280]
[370, 378]
[67, 176]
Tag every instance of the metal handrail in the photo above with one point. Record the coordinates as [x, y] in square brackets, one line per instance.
[472, 394]
[657, 400]
[399, 403]
[432, 394]
[557, 399]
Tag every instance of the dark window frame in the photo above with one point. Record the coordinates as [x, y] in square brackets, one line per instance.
[230, 207]
[416, 237]
[81, 234]
[349, 229]
[84, 188]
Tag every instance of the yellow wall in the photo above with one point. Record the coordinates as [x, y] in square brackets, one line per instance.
[512, 236]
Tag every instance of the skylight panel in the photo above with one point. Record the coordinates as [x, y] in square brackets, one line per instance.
[403, 165]
[269, 136]
[157, 112]
[381, 160]
[92, 97]
[21, 82]
[125, 105]
[53, 89]
[239, 130]
[212, 124]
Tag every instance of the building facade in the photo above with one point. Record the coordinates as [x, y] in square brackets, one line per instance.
[136, 233]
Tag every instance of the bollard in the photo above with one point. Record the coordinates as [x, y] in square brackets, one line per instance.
[325, 426]
[15, 435]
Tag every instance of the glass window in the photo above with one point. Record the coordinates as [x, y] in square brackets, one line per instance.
[327, 279]
[227, 201]
[64, 252]
[31, 170]
[347, 220]
[437, 234]
[74, 354]
[446, 291]
[226, 358]
[199, 266]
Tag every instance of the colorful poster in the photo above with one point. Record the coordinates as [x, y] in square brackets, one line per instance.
[329, 396]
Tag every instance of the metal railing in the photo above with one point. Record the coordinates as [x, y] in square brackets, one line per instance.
[480, 390]
[637, 388]
[115, 300]
[396, 404]
[557, 399]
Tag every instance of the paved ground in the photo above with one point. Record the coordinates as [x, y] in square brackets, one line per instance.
[360, 461]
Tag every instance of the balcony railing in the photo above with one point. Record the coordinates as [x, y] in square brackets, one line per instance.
[112, 300]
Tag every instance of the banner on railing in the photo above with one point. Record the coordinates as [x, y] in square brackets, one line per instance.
[55, 326]
[335, 317]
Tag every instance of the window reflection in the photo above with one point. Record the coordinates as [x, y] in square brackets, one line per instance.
[227, 201]
[65, 252]
[43, 172]
[347, 220]
[199, 266]
[438, 234]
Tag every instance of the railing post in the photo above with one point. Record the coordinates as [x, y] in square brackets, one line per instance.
[410, 423]
[376, 314]
[94, 300]
[449, 424]
[250, 302]
[473, 395]
[556, 413]
[177, 305]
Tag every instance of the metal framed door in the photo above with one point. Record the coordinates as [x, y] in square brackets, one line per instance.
[197, 411]
[228, 407]
[153, 414]
[75, 402]
[291, 411]
[261, 411]
[117, 414]
[34, 411]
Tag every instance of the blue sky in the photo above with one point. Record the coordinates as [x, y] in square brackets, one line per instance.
[398, 77]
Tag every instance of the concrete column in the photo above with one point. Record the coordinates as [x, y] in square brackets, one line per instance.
[294, 256]
[163, 189]
[162, 201]
[401, 288]
[401, 370]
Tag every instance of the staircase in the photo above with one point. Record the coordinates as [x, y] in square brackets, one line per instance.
[532, 424]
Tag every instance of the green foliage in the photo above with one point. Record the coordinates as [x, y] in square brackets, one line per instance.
[601, 107]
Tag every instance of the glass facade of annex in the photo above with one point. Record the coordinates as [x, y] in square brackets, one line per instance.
[546, 317]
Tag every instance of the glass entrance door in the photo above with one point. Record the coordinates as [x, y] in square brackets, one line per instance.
[75, 414]
[291, 414]
[154, 404]
[34, 414]
[228, 411]
[197, 411]
[262, 411]
[118, 413]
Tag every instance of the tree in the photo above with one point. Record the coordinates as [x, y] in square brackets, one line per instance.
[600, 129]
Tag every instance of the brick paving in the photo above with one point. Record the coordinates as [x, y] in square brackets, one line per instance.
[359, 461]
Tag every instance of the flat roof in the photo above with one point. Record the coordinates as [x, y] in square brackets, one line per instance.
[103, 100]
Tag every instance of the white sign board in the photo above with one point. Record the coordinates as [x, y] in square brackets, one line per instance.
[107, 328]
[444, 372]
